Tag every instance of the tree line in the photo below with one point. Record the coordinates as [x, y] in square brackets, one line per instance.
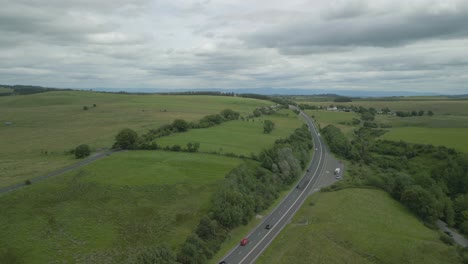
[246, 190]
[430, 181]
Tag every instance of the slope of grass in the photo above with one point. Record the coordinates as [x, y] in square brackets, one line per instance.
[47, 124]
[108, 211]
[238, 137]
[357, 226]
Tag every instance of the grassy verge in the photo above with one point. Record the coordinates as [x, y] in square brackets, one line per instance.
[357, 226]
[108, 211]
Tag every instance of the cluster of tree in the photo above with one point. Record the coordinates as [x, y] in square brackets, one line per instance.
[247, 190]
[81, 151]
[268, 126]
[28, 89]
[308, 106]
[413, 113]
[431, 181]
[342, 99]
[276, 99]
[211, 93]
[180, 125]
[337, 141]
[264, 111]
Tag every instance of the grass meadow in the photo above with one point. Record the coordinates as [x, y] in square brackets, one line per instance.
[448, 127]
[357, 226]
[46, 125]
[238, 137]
[337, 119]
[109, 210]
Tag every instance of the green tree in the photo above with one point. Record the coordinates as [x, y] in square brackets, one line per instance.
[421, 202]
[126, 139]
[159, 255]
[421, 112]
[193, 147]
[180, 125]
[85, 107]
[82, 151]
[268, 126]
[430, 113]
[229, 114]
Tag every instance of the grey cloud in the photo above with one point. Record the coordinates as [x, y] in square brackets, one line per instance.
[381, 31]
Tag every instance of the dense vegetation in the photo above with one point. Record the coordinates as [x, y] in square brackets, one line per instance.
[247, 190]
[430, 181]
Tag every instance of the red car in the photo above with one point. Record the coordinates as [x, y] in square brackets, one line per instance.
[244, 242]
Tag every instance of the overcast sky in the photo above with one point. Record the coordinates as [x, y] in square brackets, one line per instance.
[364, 44]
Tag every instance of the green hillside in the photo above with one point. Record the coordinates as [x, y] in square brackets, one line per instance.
[46, 125]
[357, 226]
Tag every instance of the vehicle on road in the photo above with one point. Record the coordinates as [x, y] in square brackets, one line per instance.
[337, 171]
[268, 226]
[316, 148]
[244, 242]
[223, 262]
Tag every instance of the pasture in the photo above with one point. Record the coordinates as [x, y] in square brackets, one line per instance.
[46, 125]
[110, 210]
[238, 137]
[357, 226]
[448, 127]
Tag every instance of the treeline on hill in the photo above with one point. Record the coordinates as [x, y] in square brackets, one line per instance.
[367, 113]
[27, 89]
[247, 190]
[431, 181]
[129, 139]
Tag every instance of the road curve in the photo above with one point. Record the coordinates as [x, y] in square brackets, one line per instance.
[260, 237]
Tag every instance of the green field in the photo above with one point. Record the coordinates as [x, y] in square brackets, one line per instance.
[5, 90]
[357, 226]
[325, 118]
[439, 107]
[447, 130]
[46, 125]
[450, 137]
[238, 137]
[108, 211]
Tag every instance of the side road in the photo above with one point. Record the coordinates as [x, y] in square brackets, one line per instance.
[81, 163]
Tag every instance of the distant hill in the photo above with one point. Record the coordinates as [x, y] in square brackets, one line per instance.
[277, 91]
[28, 89]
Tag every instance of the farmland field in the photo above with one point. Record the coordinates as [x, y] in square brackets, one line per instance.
[447, 127]
[46, 125]
[357, 226]
[238, 137]
[110, 210]
[439, 107]
[337, 119]
[450, 137]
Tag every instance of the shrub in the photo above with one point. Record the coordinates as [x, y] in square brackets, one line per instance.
[82, 151]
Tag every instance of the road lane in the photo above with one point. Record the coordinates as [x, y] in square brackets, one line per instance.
[259, 237]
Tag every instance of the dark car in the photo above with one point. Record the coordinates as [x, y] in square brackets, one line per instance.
[268, 226]
[222, 262]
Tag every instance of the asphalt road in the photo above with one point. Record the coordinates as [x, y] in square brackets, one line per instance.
[260, 237]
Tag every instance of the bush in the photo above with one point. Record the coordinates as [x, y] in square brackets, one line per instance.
[126, 139]
[446, 239]
[82, 151]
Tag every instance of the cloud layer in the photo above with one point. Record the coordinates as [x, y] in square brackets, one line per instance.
[415, 45]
